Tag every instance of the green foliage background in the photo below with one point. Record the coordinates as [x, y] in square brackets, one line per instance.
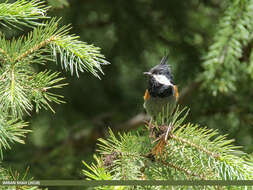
[134, 35]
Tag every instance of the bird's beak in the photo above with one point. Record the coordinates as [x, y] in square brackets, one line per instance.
[147, 73]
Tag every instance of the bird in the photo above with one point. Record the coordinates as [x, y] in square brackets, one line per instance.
[161, 92]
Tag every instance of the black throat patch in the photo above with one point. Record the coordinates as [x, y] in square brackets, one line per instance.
[159, 90]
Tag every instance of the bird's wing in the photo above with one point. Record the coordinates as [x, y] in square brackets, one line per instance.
[146, 95]
[176, 92]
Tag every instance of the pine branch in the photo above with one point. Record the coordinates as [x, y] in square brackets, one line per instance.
[191, 152]
[11, 130]
[5, 57]
[180, 169]
[11, 175]
[4, 176]
[21, 86]
[223, 58]
[99, 172]
[75, 55]
[185, 141]
[15, 89]
[21, 12]
[43, 82]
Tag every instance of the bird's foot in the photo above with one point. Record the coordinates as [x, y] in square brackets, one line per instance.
[151, 131]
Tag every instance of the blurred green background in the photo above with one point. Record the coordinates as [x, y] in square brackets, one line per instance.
[133, 35]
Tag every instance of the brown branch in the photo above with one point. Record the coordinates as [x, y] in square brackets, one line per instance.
[188, 90]
[35, 48]
[132, 123]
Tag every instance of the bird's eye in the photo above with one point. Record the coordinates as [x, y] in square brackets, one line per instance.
[156, 72]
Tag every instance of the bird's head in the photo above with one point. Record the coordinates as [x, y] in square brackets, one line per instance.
[161, 73]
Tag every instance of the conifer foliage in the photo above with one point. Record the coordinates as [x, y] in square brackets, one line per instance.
[226, 58]
[23, 87]
[190, 153]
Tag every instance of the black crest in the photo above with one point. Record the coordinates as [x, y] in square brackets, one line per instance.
[163, 68]
[164, 60]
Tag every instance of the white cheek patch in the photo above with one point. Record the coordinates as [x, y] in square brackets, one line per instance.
[162, 79]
